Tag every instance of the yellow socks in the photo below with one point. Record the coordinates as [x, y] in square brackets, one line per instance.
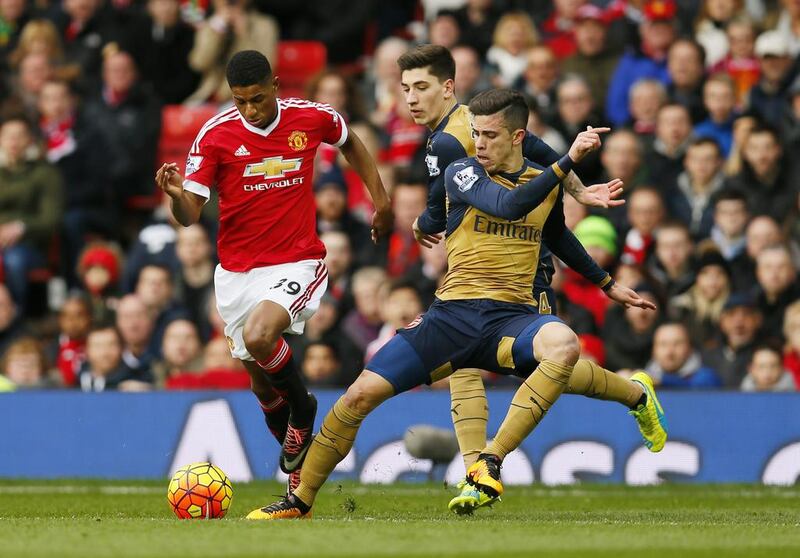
[532, 400]
[470, 412]
[330, 446]
[591, 380]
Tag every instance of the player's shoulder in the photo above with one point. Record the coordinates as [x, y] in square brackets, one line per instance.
[297, 106]
[446, 146]
[463, 173]
[214, 125]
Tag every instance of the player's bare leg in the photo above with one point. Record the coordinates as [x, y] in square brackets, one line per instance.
[264, 341]
[331, 445]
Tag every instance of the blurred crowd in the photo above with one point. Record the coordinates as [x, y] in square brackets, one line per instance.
[102, 290]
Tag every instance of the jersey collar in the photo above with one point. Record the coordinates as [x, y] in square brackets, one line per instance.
[446, 119]
[263, 131]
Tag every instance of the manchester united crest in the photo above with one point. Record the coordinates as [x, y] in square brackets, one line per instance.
[298, 140]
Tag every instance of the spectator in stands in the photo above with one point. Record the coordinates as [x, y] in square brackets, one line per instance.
[160, 42]
[12, 325]
[538, 127]
[86, 28]
[730, 220]
[330, 192]
[321, 366]
[648, 60]
[76, 147]
[621, 158]
[791, 332]
[338, 260]
[685, 63]
[469, 73]
[761, 231]
[155, 244]
[30, 206]
[104, 369]
[790, 125]
[383, 79]
[337, 90]
[98, 269]
[323, 327]
[362, 324]
[235, 26]
[719, 99]
[710, 27]
[68, 351]
[741, 62]
[628, 333]
[767, 97]
[691, 201]
[135, 325]
[400, 305]
[676, 364]
[777, 287]
[539, 80]
[181, 350]
[672, 135]
[477, 19]
[765, 372]
[742, 127]
[599, 238]
[575, 107]
[156, 287]
[646, 97]
[593, 59]
[34, 71]
[508, 56]
[217, 356]
[443, 30]
[24, 366]
[40, 36]
[700, 307]
[672, 266]
[558, 30]
[645, 214]
[766, 177]
[195, 280]
[14, 14]
[131, 120]
[428, 272]
[408, 201]
[739, 323]
[788, 23]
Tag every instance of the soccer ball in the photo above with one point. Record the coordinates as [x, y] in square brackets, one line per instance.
[200, 491]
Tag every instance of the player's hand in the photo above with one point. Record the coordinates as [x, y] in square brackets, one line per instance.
[424, 239]
[586, 142]
[169, 180]
[602, 195]
[627, 297]
[382, 222]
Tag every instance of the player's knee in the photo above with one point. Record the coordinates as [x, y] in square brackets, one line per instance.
[558, 343]
[260, 337]
[360, 398]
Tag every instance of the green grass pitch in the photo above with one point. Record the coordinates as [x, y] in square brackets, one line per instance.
[85, 519]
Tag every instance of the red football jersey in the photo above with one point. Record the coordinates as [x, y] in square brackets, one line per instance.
[267, 212]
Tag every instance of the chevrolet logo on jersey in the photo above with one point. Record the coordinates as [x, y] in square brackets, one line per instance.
[273, 167]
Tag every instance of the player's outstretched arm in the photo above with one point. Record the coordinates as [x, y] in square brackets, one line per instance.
[359, 158]
[186, 206]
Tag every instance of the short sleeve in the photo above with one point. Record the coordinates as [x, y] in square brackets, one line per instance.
[333, 126]
[201, 167]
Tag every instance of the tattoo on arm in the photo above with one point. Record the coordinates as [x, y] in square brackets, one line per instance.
[573, 184]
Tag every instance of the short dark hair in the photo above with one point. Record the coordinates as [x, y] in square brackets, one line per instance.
[248, 67]
[729, 194]
[436, 58]
[706, 140]
[506, 101]
[762, 128]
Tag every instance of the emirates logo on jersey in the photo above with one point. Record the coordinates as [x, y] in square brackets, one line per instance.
[298, 140]
[273, 167]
